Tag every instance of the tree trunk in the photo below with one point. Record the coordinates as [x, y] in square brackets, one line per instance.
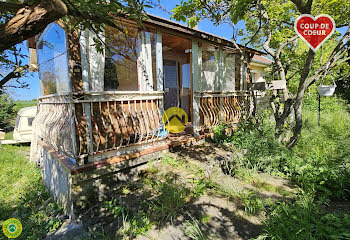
[281, 119]
[30, 21]
[303, 85]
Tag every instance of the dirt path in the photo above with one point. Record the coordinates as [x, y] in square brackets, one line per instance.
[190, 191]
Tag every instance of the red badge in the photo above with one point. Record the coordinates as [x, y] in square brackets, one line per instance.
[314, 30]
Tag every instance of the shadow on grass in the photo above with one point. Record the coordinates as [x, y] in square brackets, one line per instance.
[151, 203]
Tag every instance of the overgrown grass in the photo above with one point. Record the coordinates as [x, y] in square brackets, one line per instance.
[305, 220]
[319, 165]
[23, 195]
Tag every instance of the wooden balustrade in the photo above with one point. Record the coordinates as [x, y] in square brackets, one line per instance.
[226, 108]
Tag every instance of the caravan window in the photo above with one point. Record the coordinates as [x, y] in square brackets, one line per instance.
[53, 61]
[17, 121]
[30, 121]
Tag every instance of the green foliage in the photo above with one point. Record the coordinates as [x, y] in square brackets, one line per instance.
[171, 199]
[252, 203]
[133, 224]
[320, 163]
[305, 220]
[23, 195]
[7, 110]
[193, 230]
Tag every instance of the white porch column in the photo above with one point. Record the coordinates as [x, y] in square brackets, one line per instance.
[92, 61]
[197, 85]
[243, 76]
[221, 78]
[159, 67]
[145, 62]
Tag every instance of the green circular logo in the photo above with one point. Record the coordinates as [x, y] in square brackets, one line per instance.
[175, 119]
[12, 228]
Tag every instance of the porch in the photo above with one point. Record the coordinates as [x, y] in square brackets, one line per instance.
[100, 112]
[98, 126]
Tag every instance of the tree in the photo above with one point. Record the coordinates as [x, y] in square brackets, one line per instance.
[24, 19]
[269, 26]
[7, 111]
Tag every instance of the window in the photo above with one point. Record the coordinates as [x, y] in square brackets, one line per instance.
[53, 61]
[254, 75]
[121, 59]
[209, 67]
[30, 121]
[18, 119]
[229, 66]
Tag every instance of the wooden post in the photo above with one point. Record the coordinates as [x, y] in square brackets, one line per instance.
[145, 62]
[76, 81]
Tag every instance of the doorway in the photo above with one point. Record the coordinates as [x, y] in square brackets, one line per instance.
[171, 84]
[177, 73]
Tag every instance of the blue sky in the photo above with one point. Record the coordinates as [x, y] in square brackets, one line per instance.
[223, 30]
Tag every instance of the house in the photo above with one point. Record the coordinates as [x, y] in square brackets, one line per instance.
[101, 106]
[258, 65]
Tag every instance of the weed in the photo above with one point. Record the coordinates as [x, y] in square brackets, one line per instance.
[171, 200]
[252, 203]
[193, 230]
[133, 224]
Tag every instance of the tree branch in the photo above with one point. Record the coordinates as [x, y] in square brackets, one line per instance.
[30, 21]
[17, 72]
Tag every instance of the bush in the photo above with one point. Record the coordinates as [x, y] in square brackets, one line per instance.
[7, 111]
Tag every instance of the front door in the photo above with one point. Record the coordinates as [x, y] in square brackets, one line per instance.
[171, 85]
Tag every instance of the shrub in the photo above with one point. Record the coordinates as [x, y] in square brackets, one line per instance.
[7, 111]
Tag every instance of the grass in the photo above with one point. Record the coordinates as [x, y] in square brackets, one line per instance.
[23, 195]
[9, 136]
[319, 166]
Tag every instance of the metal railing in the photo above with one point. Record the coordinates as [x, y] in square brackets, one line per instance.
[53, 124]
[223, 108]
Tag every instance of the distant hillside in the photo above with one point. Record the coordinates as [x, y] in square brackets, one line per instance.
[23, 104]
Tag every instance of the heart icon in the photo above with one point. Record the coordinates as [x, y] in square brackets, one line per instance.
[314, 31]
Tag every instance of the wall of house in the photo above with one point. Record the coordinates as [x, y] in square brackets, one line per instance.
[259, 72]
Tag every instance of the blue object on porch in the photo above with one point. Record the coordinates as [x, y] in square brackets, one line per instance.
[161, 132]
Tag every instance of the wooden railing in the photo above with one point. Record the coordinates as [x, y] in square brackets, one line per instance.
[223, 108]
[85, 125]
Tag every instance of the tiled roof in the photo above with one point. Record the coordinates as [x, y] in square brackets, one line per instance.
[261, 59]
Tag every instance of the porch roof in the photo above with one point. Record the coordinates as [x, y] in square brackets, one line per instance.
[167, 24]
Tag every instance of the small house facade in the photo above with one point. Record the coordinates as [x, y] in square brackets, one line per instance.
[101, 106]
